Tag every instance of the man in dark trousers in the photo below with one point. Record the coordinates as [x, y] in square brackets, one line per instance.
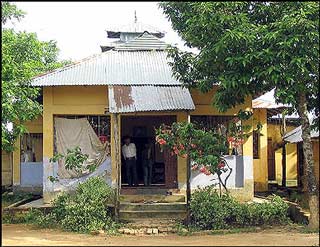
[129, 152]
[147, 161]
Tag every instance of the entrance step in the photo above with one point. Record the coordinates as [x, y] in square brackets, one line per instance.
[147, 190]
[152, 211]
[151, 198]
[158, 214]
[153, 206]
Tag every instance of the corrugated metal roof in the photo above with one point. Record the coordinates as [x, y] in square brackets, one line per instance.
[295, 135]
[267, 101]
[149, 98]
[144, 42]
[114, 68]
[135, 27]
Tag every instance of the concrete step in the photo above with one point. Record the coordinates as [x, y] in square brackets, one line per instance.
[144, 191]
[152, 198]
[127, 206]
[135, 223]
[131, 215]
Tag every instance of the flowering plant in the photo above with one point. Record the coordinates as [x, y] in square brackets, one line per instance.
[237, 132]
[205, 148]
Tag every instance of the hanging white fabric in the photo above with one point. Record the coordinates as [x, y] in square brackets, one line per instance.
[78, 132]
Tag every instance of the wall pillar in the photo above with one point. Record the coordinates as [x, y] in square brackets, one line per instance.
[261, 164]
[182, 162]
[248, 190]
[115, 120]
[16, 163]
[47, 143]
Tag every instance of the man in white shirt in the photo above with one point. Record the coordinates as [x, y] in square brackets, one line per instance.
[129, 153]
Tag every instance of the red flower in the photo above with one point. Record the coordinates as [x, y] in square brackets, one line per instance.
[181, 146]
[231, 139]
[184, 155]
[221, 165]
[203, 169]
[162, 141]
[194, 167]
[207, 173]
[193, 145]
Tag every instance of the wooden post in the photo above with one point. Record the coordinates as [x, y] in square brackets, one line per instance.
[284, 166]
[283, 131]
[117, 165]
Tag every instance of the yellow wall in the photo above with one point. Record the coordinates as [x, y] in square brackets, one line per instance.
[291, 155]
[260, 166]
[6, 168]
[203, 104]
[93, 100]
[69, 100]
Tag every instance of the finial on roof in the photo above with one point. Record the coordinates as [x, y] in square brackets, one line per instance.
[135, 16]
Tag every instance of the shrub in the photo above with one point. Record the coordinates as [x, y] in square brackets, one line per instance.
[84, 211]
[210, 211]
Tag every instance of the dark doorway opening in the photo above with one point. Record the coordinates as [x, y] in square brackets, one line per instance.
[141, 130]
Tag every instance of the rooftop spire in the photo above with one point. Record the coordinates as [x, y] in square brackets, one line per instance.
[135, 16]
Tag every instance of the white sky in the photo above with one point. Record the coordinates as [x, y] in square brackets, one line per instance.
[79, 27]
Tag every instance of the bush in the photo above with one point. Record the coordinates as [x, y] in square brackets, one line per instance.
[210, 211]
[84, 211]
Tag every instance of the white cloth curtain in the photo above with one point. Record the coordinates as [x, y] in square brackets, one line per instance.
[78, 132]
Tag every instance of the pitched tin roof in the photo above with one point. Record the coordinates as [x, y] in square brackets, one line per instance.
[142, 61]
[144, 42]
[295, 135]
[113, 68]
[149, 98]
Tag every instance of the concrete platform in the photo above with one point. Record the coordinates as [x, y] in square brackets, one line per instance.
[35, 204]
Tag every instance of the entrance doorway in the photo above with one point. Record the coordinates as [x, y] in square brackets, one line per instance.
[141, 130]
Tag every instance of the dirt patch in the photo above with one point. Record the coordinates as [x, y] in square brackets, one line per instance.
[24, 235]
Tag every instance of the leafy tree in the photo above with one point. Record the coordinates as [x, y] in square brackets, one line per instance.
[23, 56]
[204, 148]
[249, 48]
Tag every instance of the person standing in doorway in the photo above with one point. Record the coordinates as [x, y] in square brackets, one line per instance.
[147, 161]
[129, 152]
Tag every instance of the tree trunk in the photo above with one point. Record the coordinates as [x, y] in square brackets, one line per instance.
[309, 161]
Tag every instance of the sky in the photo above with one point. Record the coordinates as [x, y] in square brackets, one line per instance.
[79, 27]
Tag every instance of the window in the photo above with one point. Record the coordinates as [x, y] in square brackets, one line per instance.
[31, 147]
[100, 125]
[218, 123]
[256, 144]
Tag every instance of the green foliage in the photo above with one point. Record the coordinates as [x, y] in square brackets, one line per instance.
[211, 211]
[84, 211]
[74, 160]
[10, 12]
[184, 139]
[23, 57]
[248, 48]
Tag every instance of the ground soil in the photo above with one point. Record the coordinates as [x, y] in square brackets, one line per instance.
[25, 235]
